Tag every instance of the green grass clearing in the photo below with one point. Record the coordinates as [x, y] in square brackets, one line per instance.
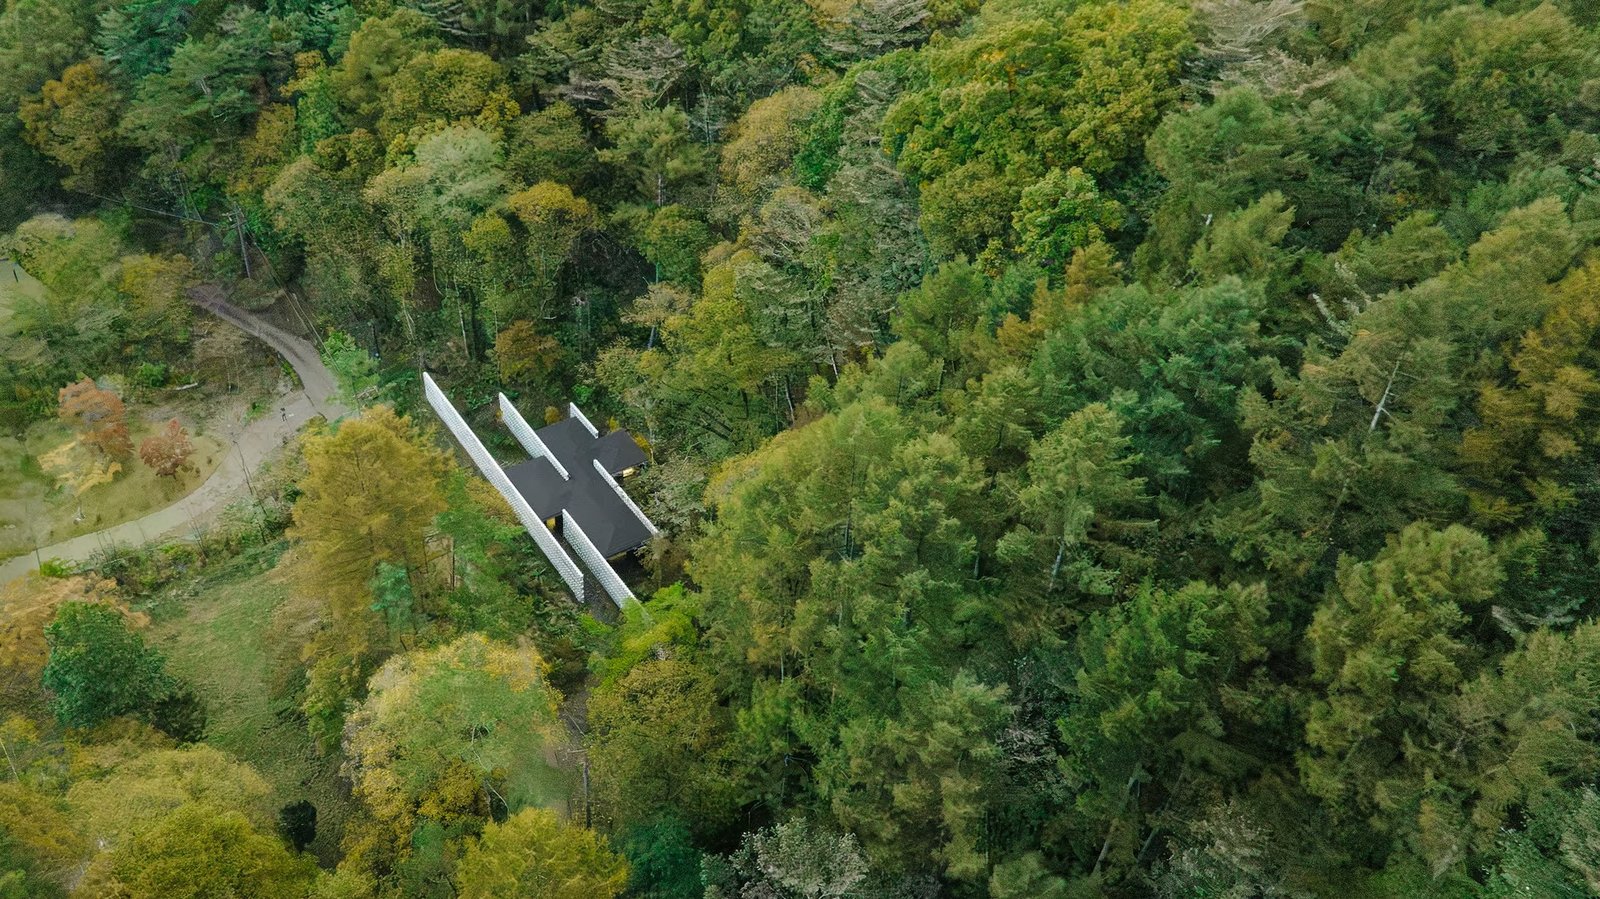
[214, 631]
[15, 283]
[35, 511]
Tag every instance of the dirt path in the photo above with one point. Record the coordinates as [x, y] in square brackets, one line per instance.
[255, 443]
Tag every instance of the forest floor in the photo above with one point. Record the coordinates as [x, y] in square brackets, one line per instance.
[215, 630]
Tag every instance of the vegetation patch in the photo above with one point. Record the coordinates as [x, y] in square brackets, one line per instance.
[212, 629]
[16, 286]
[52, 488]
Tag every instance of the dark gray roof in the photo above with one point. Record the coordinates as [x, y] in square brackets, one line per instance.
[618, 452]
[570, 441]
[586, 494]
[541, 485]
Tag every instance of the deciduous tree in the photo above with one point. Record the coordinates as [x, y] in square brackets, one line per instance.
[1060, 213]
[168, 450]
[98, 668]
[1023, 93]
[202, 850]
[39, 844]
[371, 489]
[447, 732]
[554, 219]
[534, 855]
[550, 145]
[765, 140]
[525, 357]
[74, 122]
[657, 746]
[98, 415]
[27, 606]
[127, 788]
[449, 86]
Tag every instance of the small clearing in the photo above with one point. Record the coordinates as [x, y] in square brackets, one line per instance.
[214, 630]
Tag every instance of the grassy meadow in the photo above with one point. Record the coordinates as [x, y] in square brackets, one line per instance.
[214, 630]
[36, 510]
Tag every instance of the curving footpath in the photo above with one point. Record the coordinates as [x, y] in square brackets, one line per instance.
[258, 440]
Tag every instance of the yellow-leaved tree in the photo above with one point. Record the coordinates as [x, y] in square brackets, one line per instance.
[173, 823]
[41, 847]
[448, 735]
[535, 855]
[371, 491]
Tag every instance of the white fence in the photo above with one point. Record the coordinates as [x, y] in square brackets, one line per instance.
[623, 495]
[491, 469]
[574, 412]
[525, 436]
[602, 570]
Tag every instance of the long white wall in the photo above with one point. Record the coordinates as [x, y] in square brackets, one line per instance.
[491, 469]
[597, 564]
[623, 495]
[574, 412]
[525, 435]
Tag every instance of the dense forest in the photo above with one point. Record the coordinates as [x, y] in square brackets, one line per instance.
[1102, 447]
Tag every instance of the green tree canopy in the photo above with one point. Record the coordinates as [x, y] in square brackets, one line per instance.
[98, 668]
[446, 732]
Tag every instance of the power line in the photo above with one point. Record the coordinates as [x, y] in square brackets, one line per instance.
[294, 301]
[182, 218]
[238, 222]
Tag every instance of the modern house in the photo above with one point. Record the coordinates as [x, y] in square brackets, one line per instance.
[568, 493]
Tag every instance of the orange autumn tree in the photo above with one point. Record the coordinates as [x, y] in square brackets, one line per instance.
[97, 415]
[168, 450]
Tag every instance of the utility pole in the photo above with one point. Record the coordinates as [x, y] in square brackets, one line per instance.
[246, 467]
[249, 483]
[237, 216]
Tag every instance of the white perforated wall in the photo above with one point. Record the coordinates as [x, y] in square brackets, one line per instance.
[623, 495]
[452, 419]
[525, 436]
[598, 566]
[574, 412]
